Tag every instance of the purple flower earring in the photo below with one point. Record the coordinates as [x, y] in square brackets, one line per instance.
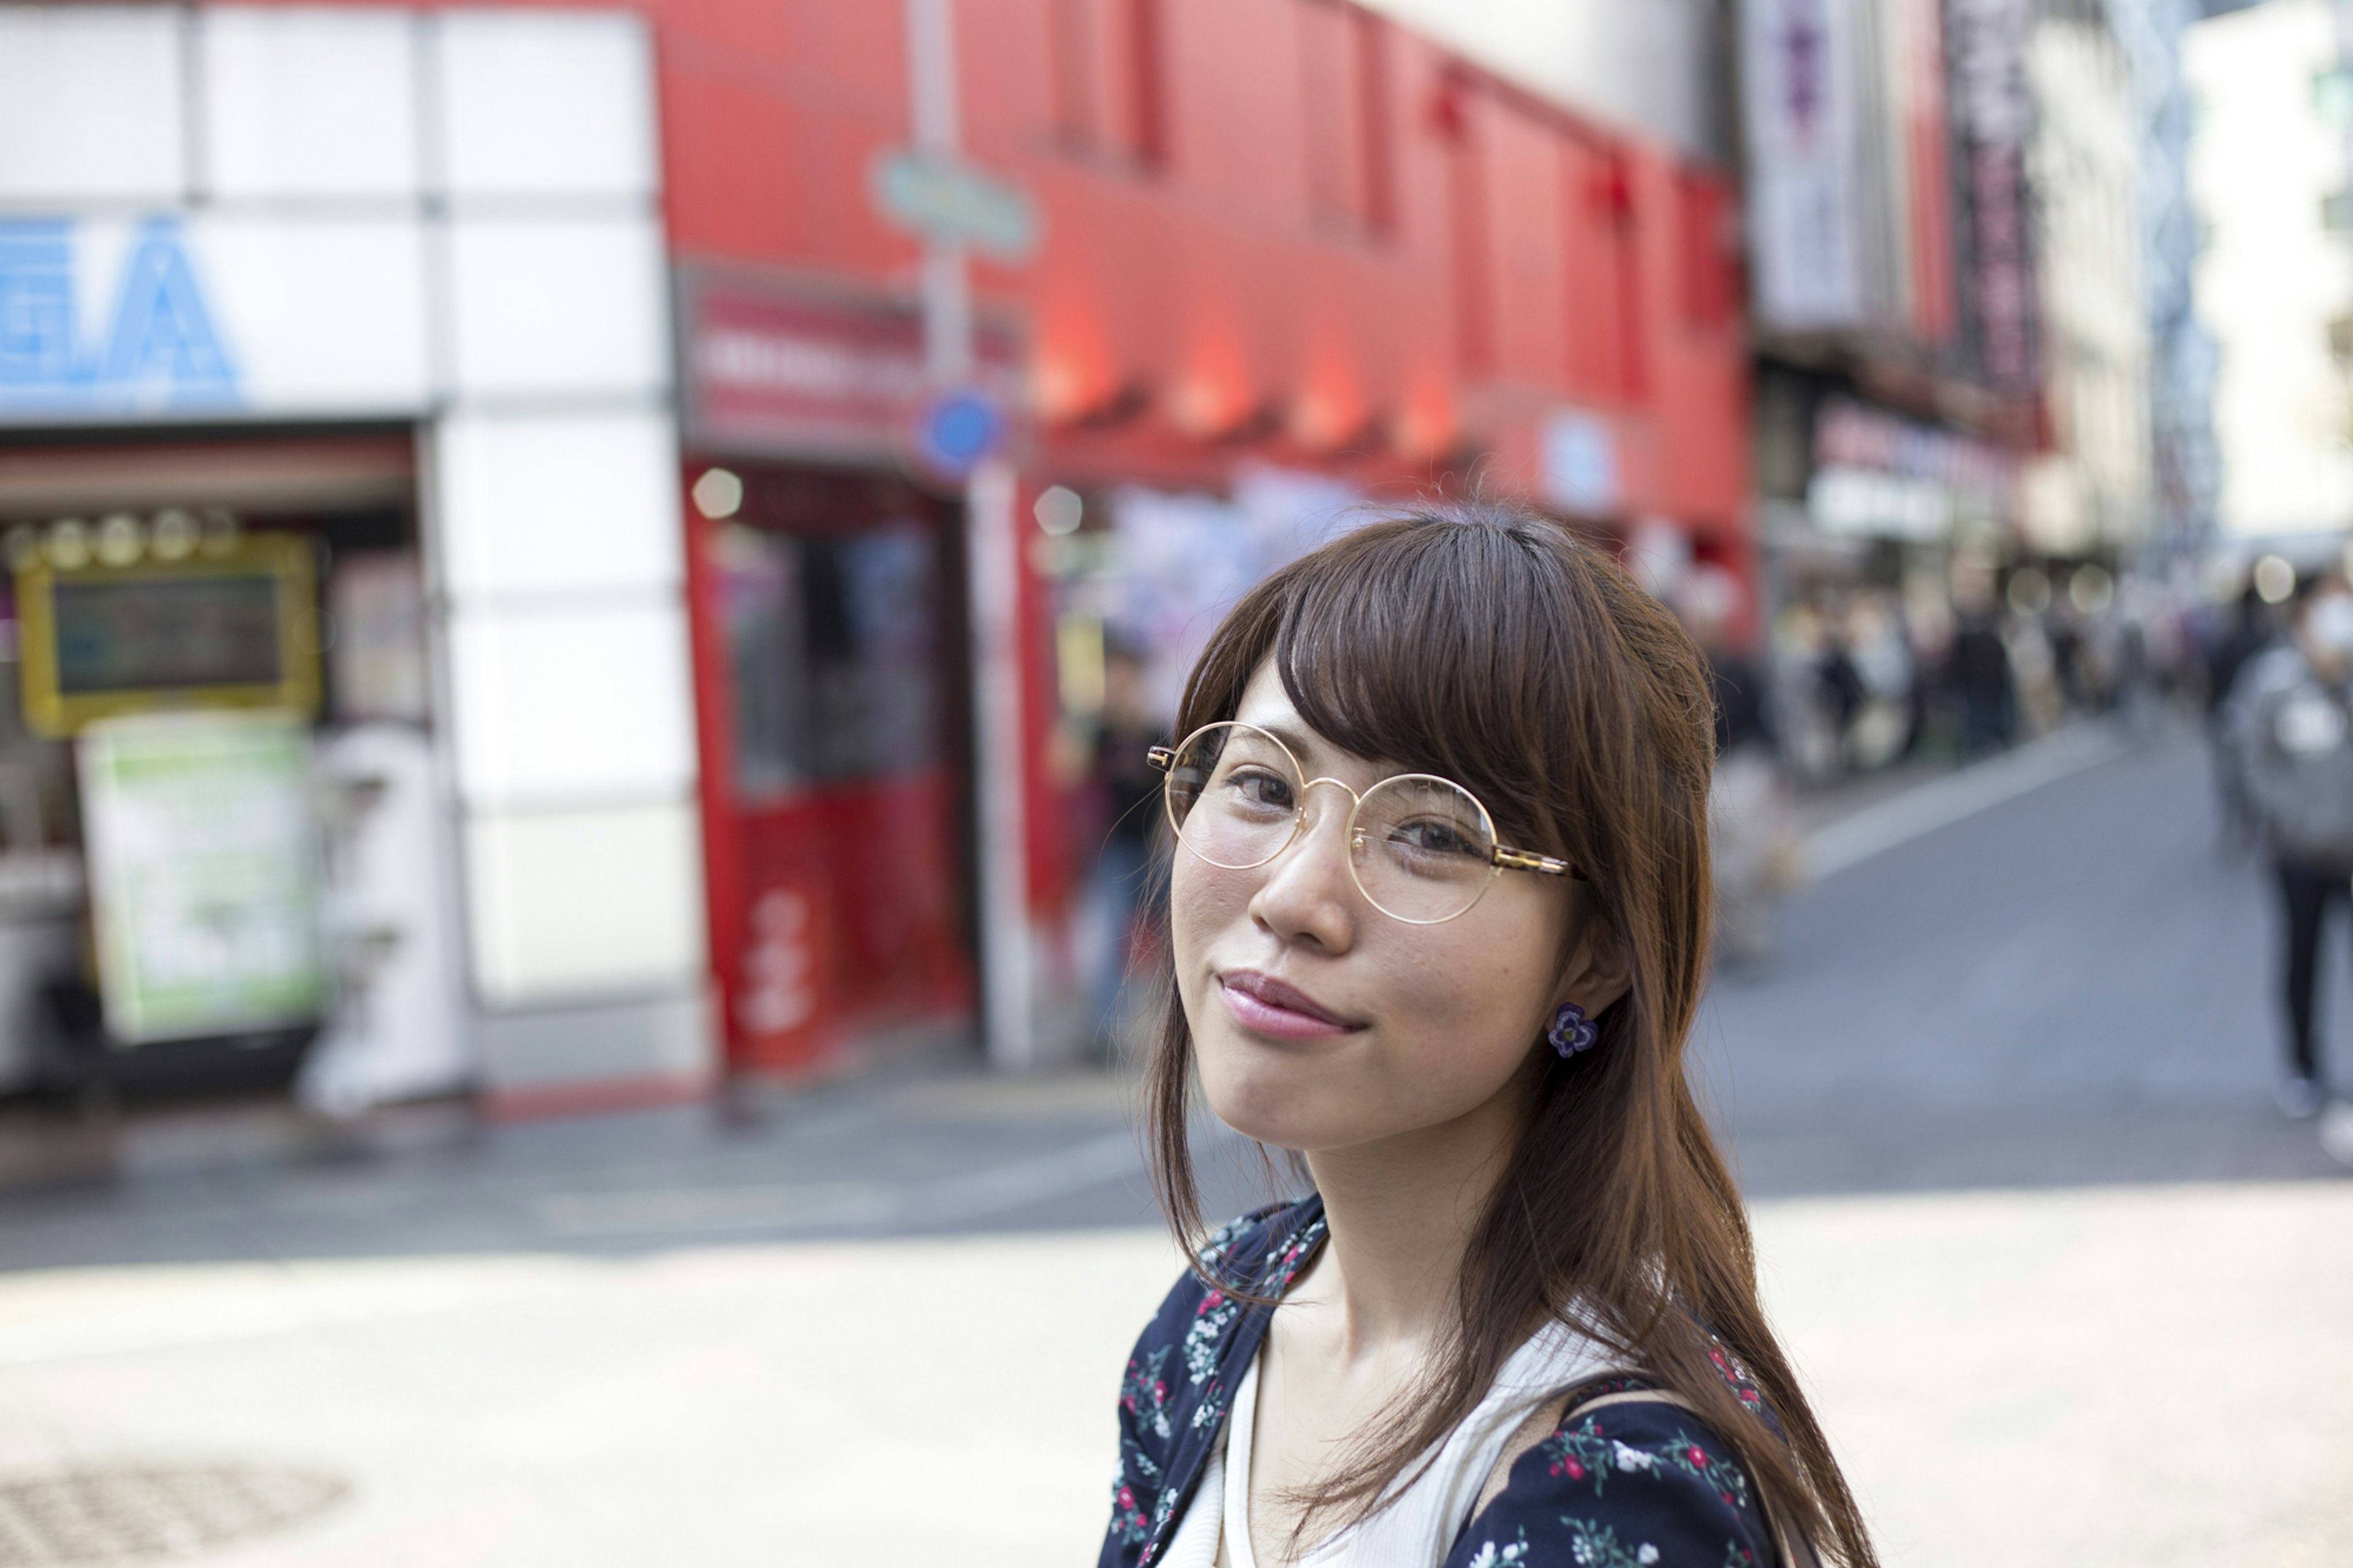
[1572, 1031]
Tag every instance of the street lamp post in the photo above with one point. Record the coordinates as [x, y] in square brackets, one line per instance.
[992, 586]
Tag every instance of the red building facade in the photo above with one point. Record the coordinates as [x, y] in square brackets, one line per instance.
[1274, 232]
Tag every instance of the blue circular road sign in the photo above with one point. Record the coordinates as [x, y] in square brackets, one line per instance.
[954, 430]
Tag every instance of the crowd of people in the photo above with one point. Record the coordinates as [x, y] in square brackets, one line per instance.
[1868, 674]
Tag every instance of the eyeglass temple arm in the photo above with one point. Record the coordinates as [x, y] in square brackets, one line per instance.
[1161, 757]
[1522, 860]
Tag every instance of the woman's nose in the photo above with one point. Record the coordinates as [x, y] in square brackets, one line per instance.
[1308, 887]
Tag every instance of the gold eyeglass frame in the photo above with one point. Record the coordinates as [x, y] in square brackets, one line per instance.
[1500, 858]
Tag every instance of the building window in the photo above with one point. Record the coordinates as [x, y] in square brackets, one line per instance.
[1110, 96]
[1344, 99]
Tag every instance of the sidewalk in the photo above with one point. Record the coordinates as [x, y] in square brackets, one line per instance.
[924, 1144]
[2086, 1358]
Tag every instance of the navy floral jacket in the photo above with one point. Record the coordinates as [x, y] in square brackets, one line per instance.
[1635, 1484]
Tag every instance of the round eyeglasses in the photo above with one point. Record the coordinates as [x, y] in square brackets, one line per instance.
[1421, 848]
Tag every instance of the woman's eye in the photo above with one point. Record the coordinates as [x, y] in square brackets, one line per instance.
[1434, 837]
[1261, 788]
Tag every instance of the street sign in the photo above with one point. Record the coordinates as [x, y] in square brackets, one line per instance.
[954, 430]
[947, 201]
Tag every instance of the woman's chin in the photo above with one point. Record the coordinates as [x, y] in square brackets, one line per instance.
[1282, 1108]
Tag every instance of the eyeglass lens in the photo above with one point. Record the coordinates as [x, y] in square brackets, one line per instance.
[1420, 847]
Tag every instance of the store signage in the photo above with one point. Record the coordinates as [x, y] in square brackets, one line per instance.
[1874, 504]
[1798, 75]
[947, 201]
[148, 340]
[777, 368]
[175, 314]
[204, 873]
[1993, 113]
[1881, 476]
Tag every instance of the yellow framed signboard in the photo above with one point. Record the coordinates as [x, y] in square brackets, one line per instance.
[234, 626]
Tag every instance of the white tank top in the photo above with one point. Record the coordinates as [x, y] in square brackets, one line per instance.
[1417, 1530]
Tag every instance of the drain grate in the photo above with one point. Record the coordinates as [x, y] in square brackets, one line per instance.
[138, 1514]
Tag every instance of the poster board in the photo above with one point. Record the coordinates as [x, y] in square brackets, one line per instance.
[204, 873]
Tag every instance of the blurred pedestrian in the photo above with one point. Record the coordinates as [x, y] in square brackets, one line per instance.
[1980, 672]
[1842, 686]
[2248, 633]
[1750, 847]
[1472, 1030]
[2293, 734]
[1131, 804]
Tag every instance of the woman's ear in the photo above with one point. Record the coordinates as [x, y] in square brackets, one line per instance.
[1599, 972]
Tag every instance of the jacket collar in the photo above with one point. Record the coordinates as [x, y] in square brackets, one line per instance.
[1219, 1346]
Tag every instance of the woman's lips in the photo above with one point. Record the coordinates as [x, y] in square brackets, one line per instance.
[1265, 1006]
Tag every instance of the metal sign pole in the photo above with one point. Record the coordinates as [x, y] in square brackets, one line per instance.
[992, 583]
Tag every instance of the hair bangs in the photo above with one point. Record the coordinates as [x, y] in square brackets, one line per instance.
[1418, 645]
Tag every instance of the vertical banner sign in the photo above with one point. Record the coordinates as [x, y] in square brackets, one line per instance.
[1797, 68]
[1926, 130]
[1992, 113]
[203, 873]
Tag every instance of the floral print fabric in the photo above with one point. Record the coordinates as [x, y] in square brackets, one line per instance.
[1634, 1485]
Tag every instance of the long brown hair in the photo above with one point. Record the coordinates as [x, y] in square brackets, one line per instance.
[1492, 646]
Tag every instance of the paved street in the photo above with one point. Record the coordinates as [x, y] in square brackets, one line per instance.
[2075, 986]
[2068, 1288]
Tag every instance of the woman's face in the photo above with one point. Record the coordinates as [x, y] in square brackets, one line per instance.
[1319, 1022]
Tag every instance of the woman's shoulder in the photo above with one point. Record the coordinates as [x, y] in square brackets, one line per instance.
[1624, 1482]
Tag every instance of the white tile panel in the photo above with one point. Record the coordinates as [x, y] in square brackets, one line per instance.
[543, 105]
[308, 103]
[532, 505]
[559, 307]
[90, 104]
[586, 704]
[322, 316]
[573, 905]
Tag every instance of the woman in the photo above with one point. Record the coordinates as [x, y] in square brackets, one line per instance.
[1437, 916]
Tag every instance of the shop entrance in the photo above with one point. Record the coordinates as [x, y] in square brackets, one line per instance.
[167, 896]
[831, 640]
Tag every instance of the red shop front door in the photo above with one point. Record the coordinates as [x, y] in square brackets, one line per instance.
[830, 650]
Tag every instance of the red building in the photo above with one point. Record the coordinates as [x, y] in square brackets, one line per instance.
[1281, 232]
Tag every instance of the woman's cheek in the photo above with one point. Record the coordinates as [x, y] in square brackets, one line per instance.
[1468, 1007]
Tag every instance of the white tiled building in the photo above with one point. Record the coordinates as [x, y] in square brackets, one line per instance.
[446, 224]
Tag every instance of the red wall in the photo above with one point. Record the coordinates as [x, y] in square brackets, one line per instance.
[1185, 264]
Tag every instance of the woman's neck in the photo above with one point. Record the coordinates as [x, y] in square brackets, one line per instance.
[1401, 1212]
